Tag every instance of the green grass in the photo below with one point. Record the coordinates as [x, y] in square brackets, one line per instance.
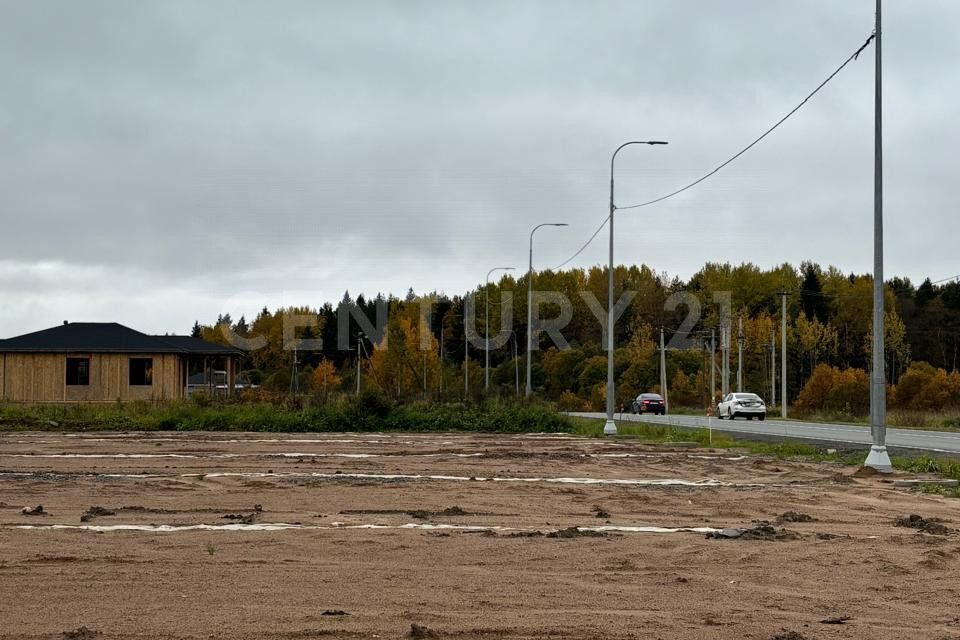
[788, 450]
[369, 412]
[900, 418]
[940, 490]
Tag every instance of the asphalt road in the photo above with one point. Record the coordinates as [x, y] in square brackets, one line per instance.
[839, 434]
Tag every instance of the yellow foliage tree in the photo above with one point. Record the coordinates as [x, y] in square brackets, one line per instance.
[325, 378]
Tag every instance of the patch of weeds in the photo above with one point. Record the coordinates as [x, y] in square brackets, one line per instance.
[211, 549]
[928, 464]
[939, 490]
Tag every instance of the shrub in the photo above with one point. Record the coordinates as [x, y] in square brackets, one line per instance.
[570, 401]
[924, 387]
[830, 389]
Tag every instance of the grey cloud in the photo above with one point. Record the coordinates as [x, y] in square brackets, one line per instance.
[222, 151]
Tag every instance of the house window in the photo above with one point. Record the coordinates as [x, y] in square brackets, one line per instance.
[141, 372]
[78, 372]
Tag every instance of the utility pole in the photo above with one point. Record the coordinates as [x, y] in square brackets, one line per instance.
[359, 337]
[773, 368]
[441, 359]
[740, 340]
[295, 374]
[878, 457]
[713, 369]
[783, 357]
[466, 349]
[663, 372]
[516, 363]
[725, 357]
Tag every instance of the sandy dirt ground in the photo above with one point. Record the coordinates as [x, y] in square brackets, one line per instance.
[454, 536]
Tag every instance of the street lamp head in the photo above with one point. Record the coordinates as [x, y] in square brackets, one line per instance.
[657, 142]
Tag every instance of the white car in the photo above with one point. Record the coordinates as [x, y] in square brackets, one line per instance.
[748, 405]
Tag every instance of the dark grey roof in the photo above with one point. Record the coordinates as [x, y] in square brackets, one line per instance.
[196, 345]
[106, 337]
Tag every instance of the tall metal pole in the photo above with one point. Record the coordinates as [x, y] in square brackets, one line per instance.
[441, 359]
[878, 458]
[516, 363]
[466, 349]
[529, 390]
[486, 327]
[610, 427]
[663, 372]
[783, 357]
[725, 357]
[358, 365]
[713, 369]
[773, 368]
[740, 340]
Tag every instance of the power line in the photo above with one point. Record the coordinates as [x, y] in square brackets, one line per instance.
[585, 245]
[946, 279]
[762, 136]
[850, 59]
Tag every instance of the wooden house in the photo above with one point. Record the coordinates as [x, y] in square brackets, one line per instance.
[108, 362]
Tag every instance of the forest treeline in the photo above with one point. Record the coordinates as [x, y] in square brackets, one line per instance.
[422, 354]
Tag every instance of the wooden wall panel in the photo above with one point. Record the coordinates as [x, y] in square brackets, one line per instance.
[26, 377]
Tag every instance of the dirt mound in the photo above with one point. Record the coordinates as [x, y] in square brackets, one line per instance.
[932, 526]
[761, 531]
[865, 472]
[794, 516]
[841, 478]
[96, 512]
[936, 559]
[248, 518]
[419, 632]
[80, 633]
[34, 511]
[601, 513]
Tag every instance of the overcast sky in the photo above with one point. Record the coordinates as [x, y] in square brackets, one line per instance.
[165, 161]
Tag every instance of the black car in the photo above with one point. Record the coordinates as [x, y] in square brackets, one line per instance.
[650, 403]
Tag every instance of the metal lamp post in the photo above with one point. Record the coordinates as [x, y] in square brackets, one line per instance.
[529, 390]
[610, 427]
[486, 328]
[878, 458]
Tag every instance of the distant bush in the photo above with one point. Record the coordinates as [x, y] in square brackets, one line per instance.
[830, 389]
[569, 401]
[924, 387]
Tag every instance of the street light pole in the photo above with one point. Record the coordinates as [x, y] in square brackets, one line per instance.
[878, 458]
[610, 427]
[783, 356]
[529, 390]
[486, 328]
[740, 340]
